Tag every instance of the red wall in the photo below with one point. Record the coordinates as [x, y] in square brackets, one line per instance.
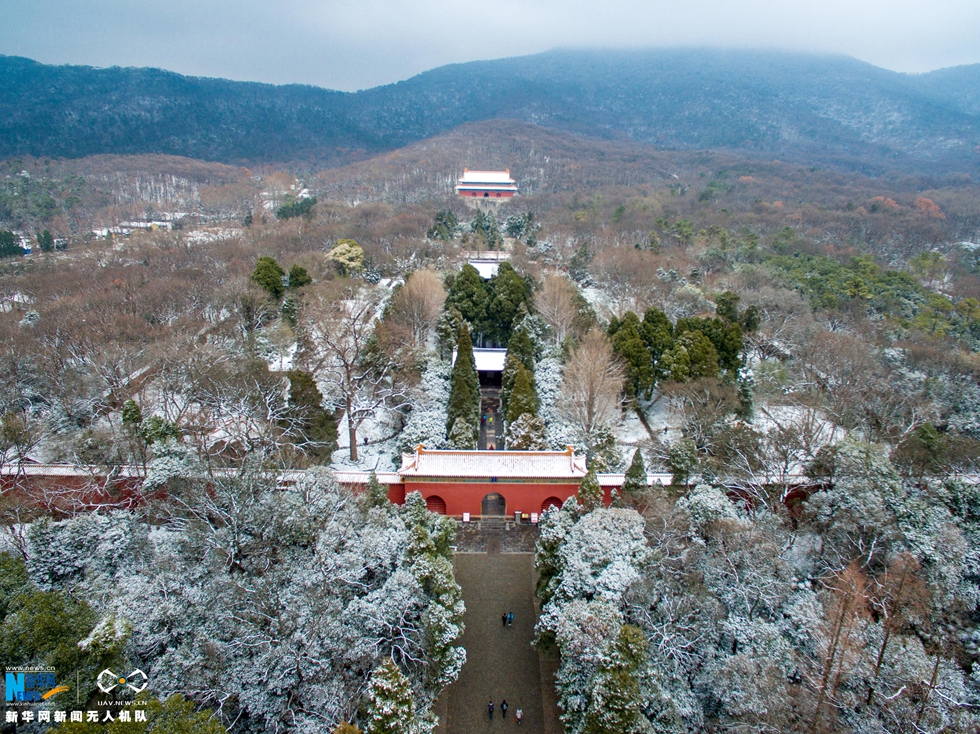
[463, 497]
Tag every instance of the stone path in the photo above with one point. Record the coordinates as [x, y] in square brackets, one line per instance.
[501, 663]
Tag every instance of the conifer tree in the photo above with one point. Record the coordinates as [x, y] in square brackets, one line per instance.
[468, 294]
[589, 492]
[635, 482]
[390, 708]
[523, 399]
[508, 292]
[616, 706]
[520, 351]
[269, 274]
[464, 387]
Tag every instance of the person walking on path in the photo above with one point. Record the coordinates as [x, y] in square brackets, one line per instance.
[510, 619]
[518, 716]
[503, 620]
[503, 709]
[490, 710]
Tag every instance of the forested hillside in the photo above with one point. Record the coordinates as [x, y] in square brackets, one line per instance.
[829, 110]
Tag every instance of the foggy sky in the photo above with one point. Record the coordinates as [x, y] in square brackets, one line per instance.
[355, 44]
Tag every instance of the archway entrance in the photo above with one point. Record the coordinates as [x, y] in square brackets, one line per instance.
[494, 504]
[550, 502]
[435, 504]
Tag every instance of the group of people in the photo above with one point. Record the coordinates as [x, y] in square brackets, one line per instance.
[507, 620]
[518, 715]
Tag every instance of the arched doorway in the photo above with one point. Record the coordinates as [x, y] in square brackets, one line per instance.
[550, 502]
[494, 504]
[435, 504]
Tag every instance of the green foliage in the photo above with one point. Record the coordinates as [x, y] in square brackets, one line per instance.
[132, 416]
[578, 264]
[468, 295]
[485, 226]
[176, 715]
[631, 349]
[298, 277]
[616, 706]
[635, 482]
[724, 337]
[445, 226]
[590, 492]
[860, 283]
[293, 207]
[463, 435]
[464, 386]
[507, 294]
[308, 426]
[389, 706]
[520, 353]
[682, 460]
[45, 241]
[726, 305]
[523, 398]
[269, 275]
[157, 430]
[447, 330]
[692, 357]
[13, 582]
[377, 493]
[9, 244]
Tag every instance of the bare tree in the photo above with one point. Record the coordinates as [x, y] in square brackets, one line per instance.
[418, 303]
[556, 303]
[592, 385]
[339, 349]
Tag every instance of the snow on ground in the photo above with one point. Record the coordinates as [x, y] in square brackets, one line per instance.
[377, 454]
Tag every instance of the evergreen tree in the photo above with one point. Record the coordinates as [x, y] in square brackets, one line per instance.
[298, 277]
[45, 241]
[447, 330]
[468, 295]
[589, 492]
[629, 347]
[523, 399]
[508, 292]
[464, 386]
[635, 482]
[657, 333]
[616, 705]
[308, 425]
[9, 245]
[377, 493]
[269, 274]
[520, 352]
[463, 435]
[444, 226]
[682, 459]
[527, 433]
[522, 347]
[389, 708]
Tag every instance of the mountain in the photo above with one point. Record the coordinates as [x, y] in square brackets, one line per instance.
[828, 110]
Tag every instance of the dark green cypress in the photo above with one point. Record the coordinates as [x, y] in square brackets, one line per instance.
[464, 386]
[523, 399]
[635, 482]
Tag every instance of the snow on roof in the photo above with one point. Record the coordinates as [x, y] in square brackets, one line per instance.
[486, 177]
[616, 480]
[486, 269]
[362, 477]
[494, 464]
[487, 360]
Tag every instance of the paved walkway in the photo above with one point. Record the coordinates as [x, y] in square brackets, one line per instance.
[501, 663]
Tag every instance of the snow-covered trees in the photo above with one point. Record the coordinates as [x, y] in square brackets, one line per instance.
[339, 349]
[854, 617]
[270, 605]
